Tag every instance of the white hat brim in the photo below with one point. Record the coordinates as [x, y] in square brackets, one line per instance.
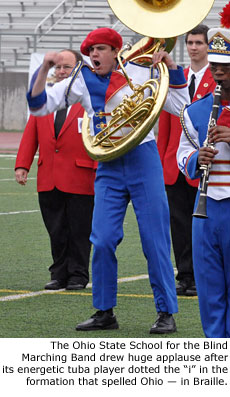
[219, 58]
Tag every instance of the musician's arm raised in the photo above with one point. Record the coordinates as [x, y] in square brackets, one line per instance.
[50, 59]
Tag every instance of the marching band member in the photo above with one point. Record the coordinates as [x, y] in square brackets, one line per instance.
[136, 176]
[181, 191]
[211, 236]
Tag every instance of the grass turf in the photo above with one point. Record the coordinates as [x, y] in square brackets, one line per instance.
[24, 261]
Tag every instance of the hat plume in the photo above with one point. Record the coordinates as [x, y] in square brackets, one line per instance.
[225, 16]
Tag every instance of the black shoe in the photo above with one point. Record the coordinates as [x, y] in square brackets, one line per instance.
[55, 284]
[73, 285]
[164, 324]
[181, 287]
[100, 320]
[191, 291]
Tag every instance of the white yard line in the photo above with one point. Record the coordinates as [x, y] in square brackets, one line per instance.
[18, 212]
[13, 156]
[45, 292]
[13, 179]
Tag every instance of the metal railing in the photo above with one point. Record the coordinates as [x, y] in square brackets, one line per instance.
[18, 58]
[28, 44]
[51, 16]
[27, 39]
[49, 32]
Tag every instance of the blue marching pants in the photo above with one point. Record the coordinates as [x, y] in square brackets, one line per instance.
[211, 261]
[136, 176]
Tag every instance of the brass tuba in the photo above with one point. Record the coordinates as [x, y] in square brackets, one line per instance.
[161, 21]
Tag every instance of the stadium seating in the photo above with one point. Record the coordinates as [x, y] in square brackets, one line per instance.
[39, 26]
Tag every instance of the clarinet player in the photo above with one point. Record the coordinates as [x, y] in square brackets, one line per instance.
[211, 234]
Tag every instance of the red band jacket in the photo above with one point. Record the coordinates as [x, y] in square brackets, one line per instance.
[63, 162]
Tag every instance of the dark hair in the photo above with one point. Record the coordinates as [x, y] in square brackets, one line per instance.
[199, 29]
[77, 54]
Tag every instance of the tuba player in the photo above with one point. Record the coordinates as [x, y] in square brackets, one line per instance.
[136, 176]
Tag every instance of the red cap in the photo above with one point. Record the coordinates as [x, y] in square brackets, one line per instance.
[101, 36]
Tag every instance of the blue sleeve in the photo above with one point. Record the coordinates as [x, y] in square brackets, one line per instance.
[191, 166]
[39, 100]
[176, 76]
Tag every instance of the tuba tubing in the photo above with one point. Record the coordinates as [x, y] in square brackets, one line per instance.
[161, 18]
[121, 146]
[160, 21]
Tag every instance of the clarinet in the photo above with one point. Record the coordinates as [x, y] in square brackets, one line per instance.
[201, 209]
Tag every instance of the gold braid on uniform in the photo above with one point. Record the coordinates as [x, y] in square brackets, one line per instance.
[74, 75]
[185, 130]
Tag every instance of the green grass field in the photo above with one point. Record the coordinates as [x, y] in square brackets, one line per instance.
[28, 311]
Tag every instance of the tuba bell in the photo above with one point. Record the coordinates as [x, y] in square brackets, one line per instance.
[160, 21]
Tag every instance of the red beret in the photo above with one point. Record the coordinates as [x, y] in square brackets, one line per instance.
[101, 36]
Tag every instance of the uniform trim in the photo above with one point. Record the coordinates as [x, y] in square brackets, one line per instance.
[221, 161]
[186, 164]
[74, 75]
[185, 130]
[218, 183]
[178, 86]
[219, 172]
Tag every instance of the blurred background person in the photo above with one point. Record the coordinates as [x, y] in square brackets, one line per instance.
[181, 191]
[65, 184]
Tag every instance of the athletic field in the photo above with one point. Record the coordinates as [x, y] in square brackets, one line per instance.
[28, 311]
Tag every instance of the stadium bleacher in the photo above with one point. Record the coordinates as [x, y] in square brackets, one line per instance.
[39, 26]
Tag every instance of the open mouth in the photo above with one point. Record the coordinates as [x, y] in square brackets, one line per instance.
[96, 63]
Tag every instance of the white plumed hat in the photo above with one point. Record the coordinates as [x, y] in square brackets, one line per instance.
[219, 39]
